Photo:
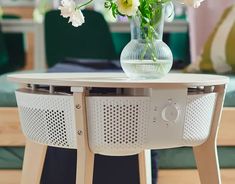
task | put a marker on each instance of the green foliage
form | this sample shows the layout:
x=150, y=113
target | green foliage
x=150, y=13
x=110, y=5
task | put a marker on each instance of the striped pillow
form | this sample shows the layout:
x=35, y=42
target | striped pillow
x=219, y=51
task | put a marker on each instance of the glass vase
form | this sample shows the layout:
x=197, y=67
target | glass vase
x=146, y=56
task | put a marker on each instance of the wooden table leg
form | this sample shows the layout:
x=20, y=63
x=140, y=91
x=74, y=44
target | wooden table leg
x=206, y=154
x=207, y=163
x=34, y=157
x=85, y=158
x=145, y=170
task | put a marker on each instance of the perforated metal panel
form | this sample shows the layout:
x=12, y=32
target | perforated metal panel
x=199, y=113
x=117, y=125
x=48, y=119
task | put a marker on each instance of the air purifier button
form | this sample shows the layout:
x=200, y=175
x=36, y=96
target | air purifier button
x=170, y=113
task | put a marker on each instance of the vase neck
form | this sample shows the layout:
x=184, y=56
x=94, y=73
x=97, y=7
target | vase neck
x=141, y=33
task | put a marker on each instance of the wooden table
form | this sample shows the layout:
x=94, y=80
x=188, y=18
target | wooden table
x=80, y=84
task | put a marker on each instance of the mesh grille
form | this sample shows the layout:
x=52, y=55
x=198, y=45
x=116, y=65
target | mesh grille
x=117, y=125
x=199, y=113
x=48, y=119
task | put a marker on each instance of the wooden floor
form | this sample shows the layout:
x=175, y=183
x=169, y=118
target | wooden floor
x=10, y=176
x=165, y=176
x=191, y=176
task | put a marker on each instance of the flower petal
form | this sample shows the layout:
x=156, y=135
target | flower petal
x=77, y=18
x=67, y=8
x=128, y=7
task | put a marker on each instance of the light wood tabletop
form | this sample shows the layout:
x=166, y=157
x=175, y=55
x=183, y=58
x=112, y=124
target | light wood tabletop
x=117, y=80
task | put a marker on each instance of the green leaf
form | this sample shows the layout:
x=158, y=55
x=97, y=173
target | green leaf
x=157, y=15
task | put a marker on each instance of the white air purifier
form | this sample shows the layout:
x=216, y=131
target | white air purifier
x=120, y=124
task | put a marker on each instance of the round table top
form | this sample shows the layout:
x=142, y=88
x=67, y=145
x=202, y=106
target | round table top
x=120, y=80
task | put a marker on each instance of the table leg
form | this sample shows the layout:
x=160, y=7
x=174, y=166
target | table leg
x=207, y=163
x=39, y=47
x=145, y=171
x=206, y=154
x=85, y=158
x=34, y=158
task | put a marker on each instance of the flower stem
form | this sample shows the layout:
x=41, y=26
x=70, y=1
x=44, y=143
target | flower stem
x=85, y=4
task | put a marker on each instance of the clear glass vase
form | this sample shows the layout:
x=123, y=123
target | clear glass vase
x=146, y=55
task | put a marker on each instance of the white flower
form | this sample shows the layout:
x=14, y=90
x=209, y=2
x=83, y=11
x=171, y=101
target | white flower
x=77, y=18
x=128, y=7
x=197, y=3
x=67, y=8
x=194, y=3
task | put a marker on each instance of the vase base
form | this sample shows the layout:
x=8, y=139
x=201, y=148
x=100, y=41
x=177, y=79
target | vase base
x=139, y=77
x=146, y=69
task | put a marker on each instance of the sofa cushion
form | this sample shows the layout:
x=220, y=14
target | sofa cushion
x=7, y=92
x=11, y=157
x=230, y=93
x=7, y=89
x=183, y=158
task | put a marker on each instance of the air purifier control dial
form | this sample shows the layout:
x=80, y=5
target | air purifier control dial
x=170, y=113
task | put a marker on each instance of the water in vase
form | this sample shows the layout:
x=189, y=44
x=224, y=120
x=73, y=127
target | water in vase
x=143, y=69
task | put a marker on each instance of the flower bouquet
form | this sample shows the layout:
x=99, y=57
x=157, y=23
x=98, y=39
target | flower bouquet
x=146, y=55
x=118, y=7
